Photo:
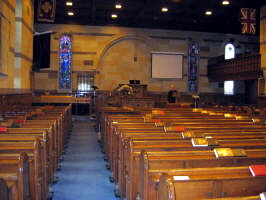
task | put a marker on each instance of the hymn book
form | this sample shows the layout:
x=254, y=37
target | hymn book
x=181, y=178
x=204, y=142
x=228, y=152
x=174, y=129
x=148, y=118
x=258, y=170
x=159, y=124
x=189, y=135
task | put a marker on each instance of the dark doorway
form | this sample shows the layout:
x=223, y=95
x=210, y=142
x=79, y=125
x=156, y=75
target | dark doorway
x=251, y=91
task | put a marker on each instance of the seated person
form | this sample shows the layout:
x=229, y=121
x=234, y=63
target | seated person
x=172, y=95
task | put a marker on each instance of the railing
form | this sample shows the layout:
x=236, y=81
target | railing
x=243, y=67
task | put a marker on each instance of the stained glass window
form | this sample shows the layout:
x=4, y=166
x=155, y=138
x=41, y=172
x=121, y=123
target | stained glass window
x=193, y=67
x=65, y=63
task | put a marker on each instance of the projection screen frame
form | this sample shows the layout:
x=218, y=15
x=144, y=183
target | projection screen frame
x=170, y=78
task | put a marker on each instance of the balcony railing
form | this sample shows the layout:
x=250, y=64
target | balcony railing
x=243, y=67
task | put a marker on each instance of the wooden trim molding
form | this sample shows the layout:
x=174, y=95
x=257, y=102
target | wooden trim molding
x=3, y=75
x=20, y=19
x=167, y=37
x=263, y=43
x=249, y=43
x=9, y=5
x=93, y=34
x=263, y=17
x=3, y=16
x=213, y=40
x=78, y=52
x=22, y=56
x=204, y=57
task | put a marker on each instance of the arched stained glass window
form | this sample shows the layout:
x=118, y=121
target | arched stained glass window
x=65, y=62
x=229, y=51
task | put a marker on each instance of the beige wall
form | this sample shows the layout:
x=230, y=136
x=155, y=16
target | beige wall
x=263, y=39
x=113, y=49
x=7, y=43
x=16, y=43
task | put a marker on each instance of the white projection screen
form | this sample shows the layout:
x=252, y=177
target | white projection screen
x=166, y=65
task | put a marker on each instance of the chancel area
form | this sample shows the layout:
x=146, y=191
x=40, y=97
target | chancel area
x=132, y=100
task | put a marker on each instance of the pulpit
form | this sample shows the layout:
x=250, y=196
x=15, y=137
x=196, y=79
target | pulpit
x=138, y=90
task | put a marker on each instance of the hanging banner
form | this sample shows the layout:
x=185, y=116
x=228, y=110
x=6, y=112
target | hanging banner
x=248, y=20
x=193, y=67
x=46, y=10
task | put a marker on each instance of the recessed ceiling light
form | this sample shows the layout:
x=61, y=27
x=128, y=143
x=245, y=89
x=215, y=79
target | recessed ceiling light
x=164, y=9
x=70, y=13
x=69, y=3
x=114, y=16
x=208, y=12
x=225, y=2
x=118, y=6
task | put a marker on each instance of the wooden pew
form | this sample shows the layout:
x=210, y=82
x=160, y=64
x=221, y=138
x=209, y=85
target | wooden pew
x=45, y=162
x=37, y=170
x=150, y=161
x=3, y=190
x=207, y=182
x=113, y=138
x=237, y=198
x=133, y=127
x=131, y=154
x=15, y=172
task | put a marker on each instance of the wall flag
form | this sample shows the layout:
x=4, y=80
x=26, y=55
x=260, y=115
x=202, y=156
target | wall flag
x=248, y=20
x=46, y=10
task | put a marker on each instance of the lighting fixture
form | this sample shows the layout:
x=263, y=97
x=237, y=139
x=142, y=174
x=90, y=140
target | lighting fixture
x=70, y=13
x=69, y=3
x=225, y=2
x=114, y=16
x=208, y=12
x=164, y=9
x=118, y=6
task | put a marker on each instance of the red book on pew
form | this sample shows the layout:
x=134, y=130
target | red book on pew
x=258, y=170
x=20, y=121
x=174, y=129
x=3, y=129
x=157, y=120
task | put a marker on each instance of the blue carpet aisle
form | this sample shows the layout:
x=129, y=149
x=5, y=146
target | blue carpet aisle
x=84, y=175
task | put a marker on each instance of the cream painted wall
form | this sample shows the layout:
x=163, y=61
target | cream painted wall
x=7, y=40
x=113, y=49
x=16, y=43
x=263, y=39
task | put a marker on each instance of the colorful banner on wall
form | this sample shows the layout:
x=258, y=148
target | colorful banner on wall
x=248, y=20
x=193, y=67
x=46, y=10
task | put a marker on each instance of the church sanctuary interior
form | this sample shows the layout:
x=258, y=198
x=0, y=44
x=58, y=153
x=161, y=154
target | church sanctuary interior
x=132, y=100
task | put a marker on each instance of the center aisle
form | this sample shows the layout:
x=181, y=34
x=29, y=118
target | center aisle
x=83, y=175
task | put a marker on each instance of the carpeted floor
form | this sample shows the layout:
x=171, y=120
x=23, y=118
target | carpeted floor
x=83, y=175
